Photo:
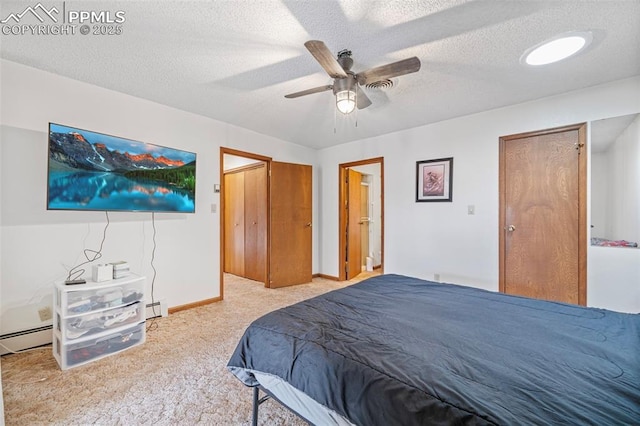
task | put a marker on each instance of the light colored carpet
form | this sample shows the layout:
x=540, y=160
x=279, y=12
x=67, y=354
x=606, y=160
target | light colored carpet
x=178, y=377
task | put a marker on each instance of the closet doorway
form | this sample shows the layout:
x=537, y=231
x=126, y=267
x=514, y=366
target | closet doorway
x=244, y=215
x=265, y=219
x=361, y=219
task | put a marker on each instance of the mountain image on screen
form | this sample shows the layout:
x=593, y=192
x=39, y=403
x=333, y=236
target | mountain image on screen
x=93, y=171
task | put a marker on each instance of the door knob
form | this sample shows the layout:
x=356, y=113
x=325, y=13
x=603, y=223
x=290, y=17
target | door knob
x=309, y=225
x=511, y=228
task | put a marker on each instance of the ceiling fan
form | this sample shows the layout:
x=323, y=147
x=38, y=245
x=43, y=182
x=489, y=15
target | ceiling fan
x=345, y=82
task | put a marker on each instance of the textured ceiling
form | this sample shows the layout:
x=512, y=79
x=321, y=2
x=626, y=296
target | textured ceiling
x=235, y=60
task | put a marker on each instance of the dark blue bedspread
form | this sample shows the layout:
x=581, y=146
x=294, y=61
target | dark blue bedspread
x=395, y=350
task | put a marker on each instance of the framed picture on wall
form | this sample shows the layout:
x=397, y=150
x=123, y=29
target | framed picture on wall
x=434, y=180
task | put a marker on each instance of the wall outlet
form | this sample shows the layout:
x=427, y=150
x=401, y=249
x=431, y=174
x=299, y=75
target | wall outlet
x=45, y=313
x=436, y=277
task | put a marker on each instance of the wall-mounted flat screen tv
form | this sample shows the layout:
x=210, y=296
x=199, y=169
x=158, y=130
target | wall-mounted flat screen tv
x=94, y=171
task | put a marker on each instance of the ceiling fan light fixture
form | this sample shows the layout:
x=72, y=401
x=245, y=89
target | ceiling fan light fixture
x=345, y=82
x=557, y=48
x=346, y=101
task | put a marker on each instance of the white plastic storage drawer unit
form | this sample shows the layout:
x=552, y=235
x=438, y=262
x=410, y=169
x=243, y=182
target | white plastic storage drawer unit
x=94, y=320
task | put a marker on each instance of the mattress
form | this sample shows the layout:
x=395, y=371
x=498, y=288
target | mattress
x=397, y=350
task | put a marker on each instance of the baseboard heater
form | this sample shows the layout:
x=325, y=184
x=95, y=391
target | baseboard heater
x=25, y=339
x=40, y=336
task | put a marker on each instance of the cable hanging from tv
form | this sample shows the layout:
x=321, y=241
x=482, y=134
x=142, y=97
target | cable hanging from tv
x=73, y=277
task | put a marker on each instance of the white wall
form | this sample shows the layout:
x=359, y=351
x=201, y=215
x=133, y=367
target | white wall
x=38, y=246
x=231, y=162
x=616, y=270
x=624, y=184
x=615, y=202
x=600, y=194
x=422, y=239
x=614, y=278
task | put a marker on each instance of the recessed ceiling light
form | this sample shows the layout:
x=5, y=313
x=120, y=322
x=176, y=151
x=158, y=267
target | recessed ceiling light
x=557, y=49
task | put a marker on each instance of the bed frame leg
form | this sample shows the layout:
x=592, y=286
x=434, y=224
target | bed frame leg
x=256, y=402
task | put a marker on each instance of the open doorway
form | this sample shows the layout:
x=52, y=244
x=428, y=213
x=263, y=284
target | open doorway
x=244, y=219
x=361, y=200
x=265, y=220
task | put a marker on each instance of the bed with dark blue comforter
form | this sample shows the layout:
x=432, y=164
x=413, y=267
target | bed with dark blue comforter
x=395, y=350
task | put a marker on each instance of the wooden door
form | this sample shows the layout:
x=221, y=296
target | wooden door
x=543, y=214
x=234, y=223
x=343, y=219
x=354, y=237
x=255, y=223
x=290, y=239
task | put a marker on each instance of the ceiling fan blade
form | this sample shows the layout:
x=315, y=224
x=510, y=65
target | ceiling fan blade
x=394, y=69
x=362, y=99
x=324, y=56
x=309, y=91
